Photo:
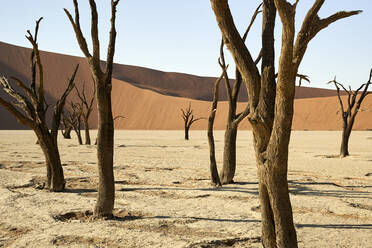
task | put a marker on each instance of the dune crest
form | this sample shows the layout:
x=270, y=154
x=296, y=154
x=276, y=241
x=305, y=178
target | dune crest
x=151, y=99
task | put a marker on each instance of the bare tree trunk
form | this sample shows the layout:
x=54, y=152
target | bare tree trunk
x=344, y=150
x=87, y=134
x=186, y=133
x=212, y=151
x=67, y=132
x=55, y=178
x=105, y=152
x=212, y=154
x=86, y=109
x=78, y=134
x=229, y=154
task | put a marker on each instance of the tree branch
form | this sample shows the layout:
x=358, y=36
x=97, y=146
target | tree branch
x=112, y=41
x=36, y=57
x=19, y=116
x=238, y=49
x=76, y=26
x=27, y=90
x=255, y=14
x=312, y=25
x=94, y=30
x=21, y=102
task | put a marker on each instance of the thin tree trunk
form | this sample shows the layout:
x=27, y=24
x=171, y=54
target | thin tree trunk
x=212, y=151
x=78, y=134
x=346, y=131
x=87, y=134
x=229, y=154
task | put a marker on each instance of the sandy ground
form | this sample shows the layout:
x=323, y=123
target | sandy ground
x=164, y=197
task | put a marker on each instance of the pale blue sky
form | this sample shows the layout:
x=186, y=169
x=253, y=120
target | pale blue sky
x=182, y=35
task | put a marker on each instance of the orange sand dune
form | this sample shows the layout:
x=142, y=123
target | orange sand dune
x=147, y=98
x=145, y=109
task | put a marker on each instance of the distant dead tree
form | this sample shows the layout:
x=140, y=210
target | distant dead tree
x=66, y=127
x=349, y=113
x=73, y=119
x=271, y=101
x=103, y=84
x=87, y=109
x=30, y=110
x=188, y=118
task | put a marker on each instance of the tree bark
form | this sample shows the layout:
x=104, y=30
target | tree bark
x=229, y=154
x=78, y=134
x=87, y=134
x=212, y=151
x=55, y=179
x=186, y=133
x=344, y=150
x=67, y=132
x=105, y=151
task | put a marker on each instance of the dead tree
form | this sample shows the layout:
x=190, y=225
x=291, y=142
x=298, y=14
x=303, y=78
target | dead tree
x=348, y=114
x=73, y=119
x=66, y=128
x=212, y=151
x=271, y=103
x=29, y=107
x=233, y=118
x=87, y=109
x=188, y=118
x=103, y=84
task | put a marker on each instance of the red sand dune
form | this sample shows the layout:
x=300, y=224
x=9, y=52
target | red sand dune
x=151, y=99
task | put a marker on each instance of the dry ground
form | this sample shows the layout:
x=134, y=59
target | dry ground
x=164, y=197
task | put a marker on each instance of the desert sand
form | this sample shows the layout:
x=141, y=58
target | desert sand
x=164, y=197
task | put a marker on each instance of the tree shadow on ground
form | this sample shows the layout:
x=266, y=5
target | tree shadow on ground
x=252, y=191
x=205, y=219
x=303, y=188
x=336, y=226
x=79, y=191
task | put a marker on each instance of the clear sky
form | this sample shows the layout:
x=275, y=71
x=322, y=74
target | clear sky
x=182, y=35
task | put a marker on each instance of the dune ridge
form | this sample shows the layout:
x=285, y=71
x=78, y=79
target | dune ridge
x=151, y=99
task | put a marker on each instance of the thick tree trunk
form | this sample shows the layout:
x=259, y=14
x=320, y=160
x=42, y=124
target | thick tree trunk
x=105, y=153
x=229, y=154
x=275, y=184
x=87, y=134
x=55, y=178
